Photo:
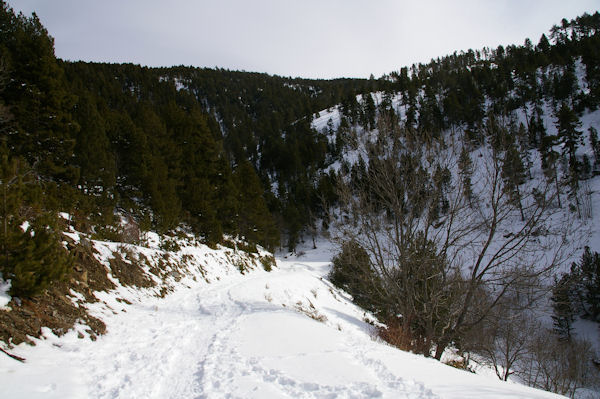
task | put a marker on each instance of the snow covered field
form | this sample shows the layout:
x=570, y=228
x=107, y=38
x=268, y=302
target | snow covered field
x=283, y=334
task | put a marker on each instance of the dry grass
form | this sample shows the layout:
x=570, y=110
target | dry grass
x=400, y=336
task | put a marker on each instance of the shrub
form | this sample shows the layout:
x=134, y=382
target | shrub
x=559, y=366
x=353, y=272
x=268, y=262
x=169, y=245
x=402, y=337
x=36, y=258
x=462, y=364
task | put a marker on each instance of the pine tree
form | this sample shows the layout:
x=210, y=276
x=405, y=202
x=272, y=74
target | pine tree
x=465, y=170
x=513, y=174
x=92, y=150
x=544, y=44
x=567, y=124
x=565, y=84
x=563, y=308
x=595, y=145
x=549, y=160
x=537, y=130
x=589, y=269
x=293, y=222
x=254, y=221
x=582, y=286
x=568, y=134
x=523, y=148
x=37, y=96
x=409, y=99
x=440, y=179
x=431, y=119
x=586, y=167
x=368, y=111
x=38, y=258
x=30, y=242
x=353, y=272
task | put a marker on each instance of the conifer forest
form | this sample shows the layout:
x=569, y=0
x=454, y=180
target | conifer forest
x=459, y=192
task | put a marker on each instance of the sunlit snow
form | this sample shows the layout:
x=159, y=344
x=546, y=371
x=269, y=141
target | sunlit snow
x=282, y=334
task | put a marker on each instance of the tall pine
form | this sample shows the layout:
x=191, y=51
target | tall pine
x=254, y=220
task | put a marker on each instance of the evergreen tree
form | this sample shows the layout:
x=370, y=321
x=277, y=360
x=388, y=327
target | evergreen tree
x=430, y=119
x=589, y=271
x=368, y=112
x=441, y=179
x=30, y=242
x=549, y=159
x=564, y=311
x=409, y=99
x=465, y=171
x=352, y=271
x=254, y=221
x=38, y=258
x=94, y=155
x=537, y=130
x=37, y=96
x=568, y=134
x=513, y=174
x=567, y=124
x=293, y=222
x=565, y=84
x=207, y=191
x=578, y=292
x=595, y=145
x=586, y=167
x=544, y=44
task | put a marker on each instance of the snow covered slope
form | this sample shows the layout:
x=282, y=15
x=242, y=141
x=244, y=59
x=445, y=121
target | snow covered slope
x=282, y=334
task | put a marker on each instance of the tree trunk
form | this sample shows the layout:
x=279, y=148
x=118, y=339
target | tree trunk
x=520, y=204
x=441, y=347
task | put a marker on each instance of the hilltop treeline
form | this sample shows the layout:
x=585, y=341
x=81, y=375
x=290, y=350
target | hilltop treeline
x=222, y=151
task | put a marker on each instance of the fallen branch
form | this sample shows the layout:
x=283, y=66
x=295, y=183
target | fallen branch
x=20, y=359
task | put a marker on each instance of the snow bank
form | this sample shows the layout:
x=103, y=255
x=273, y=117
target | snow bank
x=282, y=334
x=4, y=296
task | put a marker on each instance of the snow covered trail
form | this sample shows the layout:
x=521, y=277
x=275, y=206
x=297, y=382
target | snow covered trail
x=283, y=334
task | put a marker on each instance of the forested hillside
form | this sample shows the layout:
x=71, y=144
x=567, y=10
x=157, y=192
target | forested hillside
x=237, y=153
x=200, y=133
x=168, y=146
x=465, y=193
x=460, y=190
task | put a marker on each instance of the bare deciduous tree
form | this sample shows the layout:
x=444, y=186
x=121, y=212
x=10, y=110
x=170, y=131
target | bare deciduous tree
x=503, y=339
x=435, y=250
x=559, y=366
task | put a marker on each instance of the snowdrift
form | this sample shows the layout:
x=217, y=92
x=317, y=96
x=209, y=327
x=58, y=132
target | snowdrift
x=229, y=328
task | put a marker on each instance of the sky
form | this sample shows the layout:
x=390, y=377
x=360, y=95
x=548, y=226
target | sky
x=298, y=38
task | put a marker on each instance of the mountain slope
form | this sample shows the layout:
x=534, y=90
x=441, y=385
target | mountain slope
x=283, y=334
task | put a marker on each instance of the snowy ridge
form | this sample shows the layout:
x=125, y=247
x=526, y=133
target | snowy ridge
x=580, y=230
x=287, y=333
x=328, y=121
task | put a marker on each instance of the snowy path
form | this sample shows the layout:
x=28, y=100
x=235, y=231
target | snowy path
x=244, y=336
